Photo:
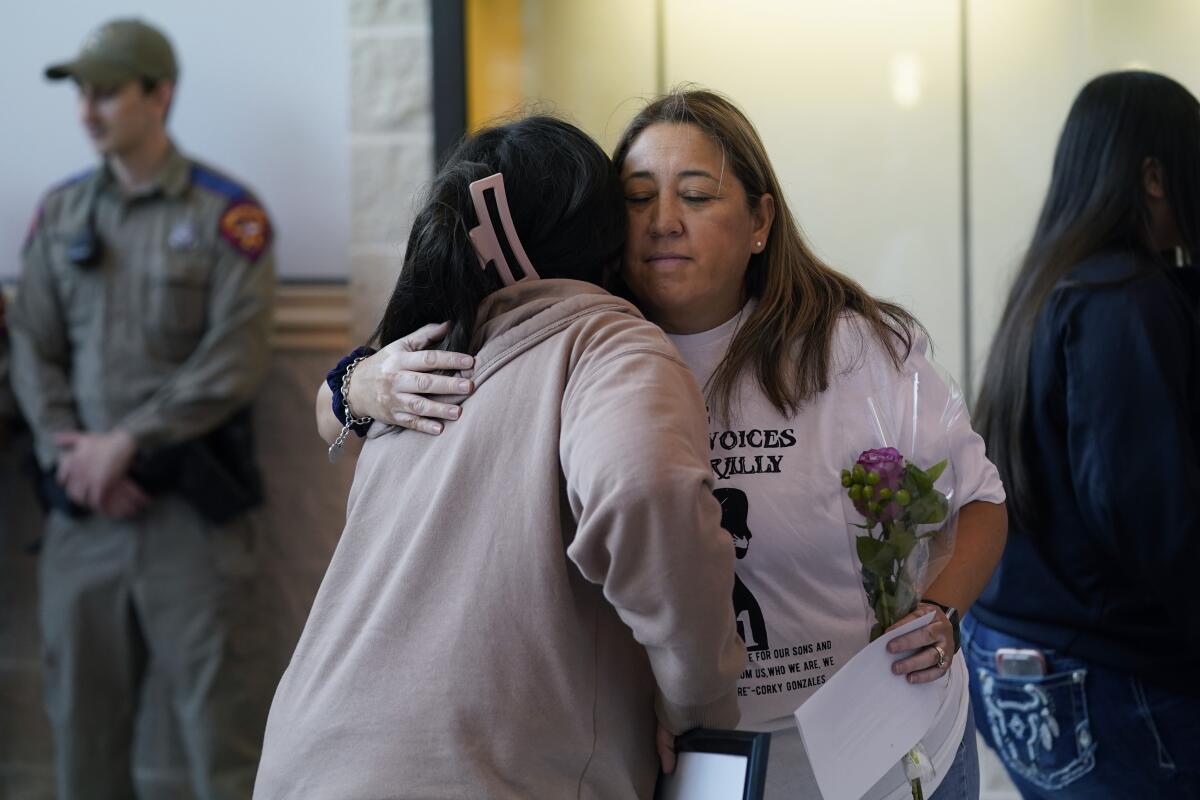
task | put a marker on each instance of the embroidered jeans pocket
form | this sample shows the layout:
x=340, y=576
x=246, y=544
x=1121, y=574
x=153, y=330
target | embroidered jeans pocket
x=1040, y=725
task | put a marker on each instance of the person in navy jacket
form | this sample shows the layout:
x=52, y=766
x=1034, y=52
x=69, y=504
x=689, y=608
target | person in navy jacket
x=1089, y=409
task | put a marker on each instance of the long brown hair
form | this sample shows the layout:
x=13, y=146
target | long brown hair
x=788, y=338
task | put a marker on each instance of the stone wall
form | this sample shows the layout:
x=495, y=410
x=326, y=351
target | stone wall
x=391, y=142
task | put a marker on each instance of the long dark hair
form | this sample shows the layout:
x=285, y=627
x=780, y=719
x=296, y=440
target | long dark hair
x=1096, y=203
x=566, y=205
x=800, y=298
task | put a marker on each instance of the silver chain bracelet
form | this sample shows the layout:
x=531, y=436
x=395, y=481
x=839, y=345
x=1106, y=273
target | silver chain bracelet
x=335, y=449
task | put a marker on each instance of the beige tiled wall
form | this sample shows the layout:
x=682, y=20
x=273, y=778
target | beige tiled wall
x=391, y=143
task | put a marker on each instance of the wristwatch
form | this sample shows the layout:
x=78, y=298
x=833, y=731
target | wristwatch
x=951, y=614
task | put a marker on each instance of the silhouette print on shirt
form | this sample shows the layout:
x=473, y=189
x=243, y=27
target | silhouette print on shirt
x=735, y=509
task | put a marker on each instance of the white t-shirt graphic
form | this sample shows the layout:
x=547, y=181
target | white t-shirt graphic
x=799, y=600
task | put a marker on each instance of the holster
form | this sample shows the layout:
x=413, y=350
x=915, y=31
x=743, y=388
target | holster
x=216, y=473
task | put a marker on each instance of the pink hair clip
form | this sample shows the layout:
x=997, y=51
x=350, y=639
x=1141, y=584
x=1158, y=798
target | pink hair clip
x=491, y=207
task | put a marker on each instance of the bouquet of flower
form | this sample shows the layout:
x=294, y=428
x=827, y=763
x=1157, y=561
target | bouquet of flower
x=900, y=500
x=908, y=523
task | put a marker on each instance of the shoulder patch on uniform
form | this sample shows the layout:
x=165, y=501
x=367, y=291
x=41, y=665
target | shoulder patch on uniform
x=245, y=226
x=214, y=181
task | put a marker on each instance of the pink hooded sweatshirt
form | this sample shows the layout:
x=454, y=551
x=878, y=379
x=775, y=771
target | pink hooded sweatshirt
x=514, y=602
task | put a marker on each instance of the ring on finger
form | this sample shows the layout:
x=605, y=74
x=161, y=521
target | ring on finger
x=941, y=654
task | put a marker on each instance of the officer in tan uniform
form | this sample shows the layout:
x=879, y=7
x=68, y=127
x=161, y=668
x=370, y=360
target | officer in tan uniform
x=139, y=334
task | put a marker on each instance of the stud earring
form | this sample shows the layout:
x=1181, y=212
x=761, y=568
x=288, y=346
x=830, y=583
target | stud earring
x=758, y=244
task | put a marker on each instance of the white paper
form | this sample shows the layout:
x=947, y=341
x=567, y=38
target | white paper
x=865, y=718
x=706, y=776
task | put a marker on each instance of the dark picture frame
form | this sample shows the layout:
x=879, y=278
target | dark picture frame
x=448, y=21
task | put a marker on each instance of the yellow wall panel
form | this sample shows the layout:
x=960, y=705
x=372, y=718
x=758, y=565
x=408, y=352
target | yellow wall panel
x=494, y=53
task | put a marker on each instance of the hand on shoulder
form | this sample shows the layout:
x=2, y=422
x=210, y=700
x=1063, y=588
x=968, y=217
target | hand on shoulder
x=396, y=385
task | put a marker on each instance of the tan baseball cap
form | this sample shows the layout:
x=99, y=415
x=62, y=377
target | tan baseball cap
x=117, y=52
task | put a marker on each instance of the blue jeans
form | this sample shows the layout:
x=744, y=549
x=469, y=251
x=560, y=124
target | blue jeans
x=962, y=778
x=1082, y=730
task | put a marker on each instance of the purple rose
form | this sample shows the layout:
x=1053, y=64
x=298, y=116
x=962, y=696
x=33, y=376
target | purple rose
x=886, y=461
x=888, y=465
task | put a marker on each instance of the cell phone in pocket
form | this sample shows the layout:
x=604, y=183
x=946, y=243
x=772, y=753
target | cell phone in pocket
x=1018, y=662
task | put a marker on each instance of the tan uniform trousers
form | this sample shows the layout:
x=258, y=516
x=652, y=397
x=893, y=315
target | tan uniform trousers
x=164, y=591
